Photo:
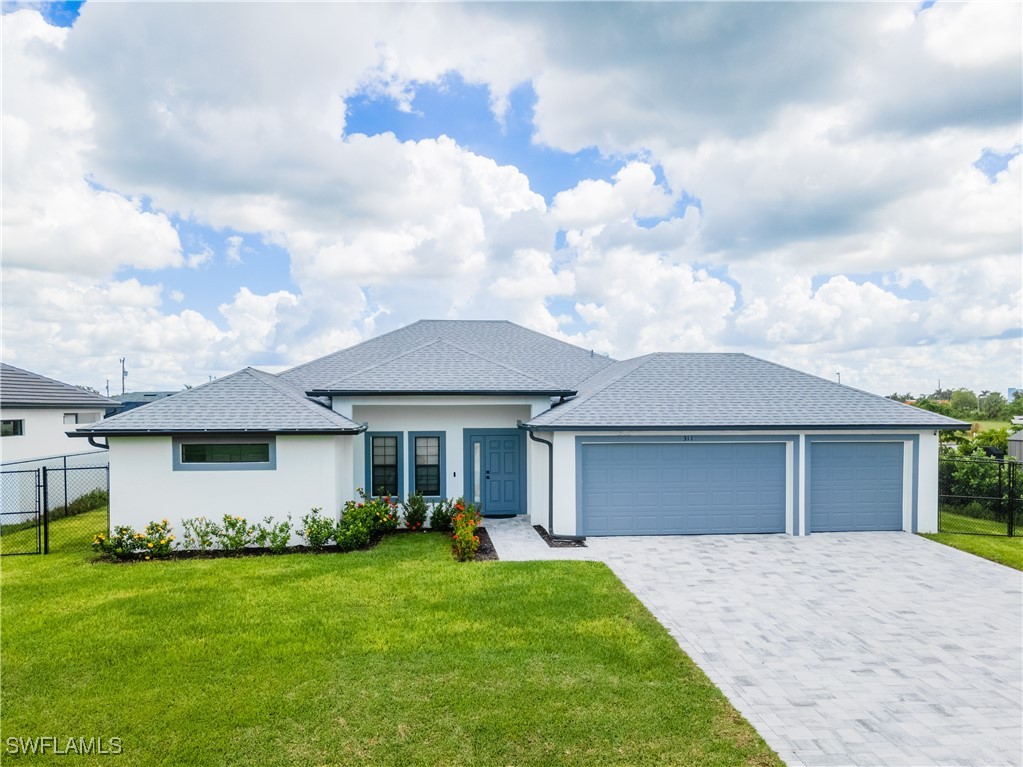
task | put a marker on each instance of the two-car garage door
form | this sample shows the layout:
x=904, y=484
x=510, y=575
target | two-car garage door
x=678, y=488
x=687, y=488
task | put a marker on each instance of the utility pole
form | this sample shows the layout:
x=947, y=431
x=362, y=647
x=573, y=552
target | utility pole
x=124, y=374
x=108, y=387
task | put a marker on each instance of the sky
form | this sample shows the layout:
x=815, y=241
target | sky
x=198, y=187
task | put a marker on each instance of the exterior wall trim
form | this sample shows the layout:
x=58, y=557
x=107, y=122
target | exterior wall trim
x=223, y=439
x=443, y=462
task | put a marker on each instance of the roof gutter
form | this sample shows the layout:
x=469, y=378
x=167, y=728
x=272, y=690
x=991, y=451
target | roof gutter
x=550, y=485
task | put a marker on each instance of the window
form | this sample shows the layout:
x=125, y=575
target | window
x=88, y=417
x=225, y=453
x=258, y=452
x=12, y=428
x=426, y=456
x=70, y=418
x=384, y=469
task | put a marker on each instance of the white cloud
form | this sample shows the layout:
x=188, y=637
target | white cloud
x=233, y=249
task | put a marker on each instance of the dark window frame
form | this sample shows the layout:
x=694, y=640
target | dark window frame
x=17, y=427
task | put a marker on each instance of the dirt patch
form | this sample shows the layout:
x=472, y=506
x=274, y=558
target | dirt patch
x=486, y=551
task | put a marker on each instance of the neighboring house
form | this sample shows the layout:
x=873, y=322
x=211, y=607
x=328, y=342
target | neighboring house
x=38, y=411
x=526, y=424
x=1016, y=445
x=134, y=399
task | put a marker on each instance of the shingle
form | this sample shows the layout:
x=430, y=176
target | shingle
x=725, y=391
x=249, y=400
x=440, y=366
x=22, y=388
x=533, y=354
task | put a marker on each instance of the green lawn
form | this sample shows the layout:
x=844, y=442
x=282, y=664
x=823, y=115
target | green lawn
x=67, y=535
x=956, y=523
x=997, y=548
x=397, y=655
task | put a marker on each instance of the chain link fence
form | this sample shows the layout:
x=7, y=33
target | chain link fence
x=54, y=504
x=979, y=496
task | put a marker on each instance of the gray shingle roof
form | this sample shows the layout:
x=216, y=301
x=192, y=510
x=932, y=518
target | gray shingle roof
x=440, y=367
x=247, y=401
x=526, y=352
x=704, y=391
x=22, y=388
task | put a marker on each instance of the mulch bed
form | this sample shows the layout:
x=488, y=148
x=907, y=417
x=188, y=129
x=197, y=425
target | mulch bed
x=559, y=543
x=486, y=551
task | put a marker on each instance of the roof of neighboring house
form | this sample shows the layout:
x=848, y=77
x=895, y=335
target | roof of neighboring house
x=22, y=388
x=725, y=391
x=247, y=401
x=532, y=361
x=1017, y=437
x=440, y=367
x=141, y=396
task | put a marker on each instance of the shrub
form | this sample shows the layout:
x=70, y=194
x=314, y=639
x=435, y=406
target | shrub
x=236, y=533
x=122, y=543
x=274, y=537
x=200, y=533
x=317, y=530
x=440, y=515
x=380, y=514
x=353, y=533
x=157, y=541
x=415, y=511
x=466, y=520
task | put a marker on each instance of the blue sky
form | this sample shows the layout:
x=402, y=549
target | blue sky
x=630, y=178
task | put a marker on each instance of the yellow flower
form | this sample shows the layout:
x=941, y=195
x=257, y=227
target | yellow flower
x=148, y=557
x=163, y=541
x=149, y=545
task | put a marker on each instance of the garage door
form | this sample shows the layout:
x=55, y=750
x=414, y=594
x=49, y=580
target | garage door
x=855, y=486
x=679, y=489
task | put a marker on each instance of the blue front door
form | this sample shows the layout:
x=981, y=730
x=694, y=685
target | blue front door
x=496, y=470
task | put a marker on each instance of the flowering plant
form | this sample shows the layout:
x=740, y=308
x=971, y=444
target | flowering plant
x=465, y=541
x=317, y=530
x=273, y=536
x=415, y=511
x=200, y=533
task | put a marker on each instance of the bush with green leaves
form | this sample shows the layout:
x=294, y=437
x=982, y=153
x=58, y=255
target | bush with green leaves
x=353, y=532
x=440, y=515
x=317, y=530
x=236, y=533
x=415, y=511
x=155, y=542
x=201, y=534
x=274, y=536
x=465, y=541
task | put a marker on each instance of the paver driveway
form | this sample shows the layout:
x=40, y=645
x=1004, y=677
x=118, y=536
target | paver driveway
x=841, y=648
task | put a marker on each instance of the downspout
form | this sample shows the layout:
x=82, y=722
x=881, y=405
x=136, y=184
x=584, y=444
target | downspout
x=550, y=489
x=94, y=443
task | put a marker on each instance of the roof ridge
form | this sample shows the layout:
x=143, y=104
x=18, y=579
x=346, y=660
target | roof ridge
x=497, y=362
x=572, y=404
x=295, y=393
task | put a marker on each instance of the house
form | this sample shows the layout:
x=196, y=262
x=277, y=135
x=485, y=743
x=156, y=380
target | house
x=525, y=424
x=133, y=399
x=37, y=412
x=1016, y=446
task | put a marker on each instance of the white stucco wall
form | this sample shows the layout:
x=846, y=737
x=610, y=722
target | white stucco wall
x=927, y=482
x=451, y=415
x=144, y=486
x=44, y=433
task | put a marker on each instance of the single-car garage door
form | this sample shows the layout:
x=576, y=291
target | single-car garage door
x=855, y=486
x=676, y=488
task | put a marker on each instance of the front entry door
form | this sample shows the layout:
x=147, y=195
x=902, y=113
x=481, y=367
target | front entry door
x=496, y=470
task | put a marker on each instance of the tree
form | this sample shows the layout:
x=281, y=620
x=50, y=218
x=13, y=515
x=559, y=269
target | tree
x=991, y=404
x=964, y=401
x=86, y=388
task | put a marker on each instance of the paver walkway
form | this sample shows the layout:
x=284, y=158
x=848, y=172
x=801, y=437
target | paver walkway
x=840, y=648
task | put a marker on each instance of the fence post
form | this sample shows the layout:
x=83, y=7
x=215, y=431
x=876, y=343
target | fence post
x=46, y=512
x=1013, y=489
x=39, y=516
